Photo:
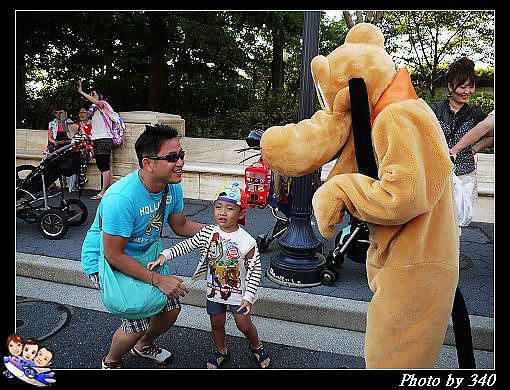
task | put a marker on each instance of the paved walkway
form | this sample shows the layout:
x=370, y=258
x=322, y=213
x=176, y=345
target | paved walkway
x=476, y=262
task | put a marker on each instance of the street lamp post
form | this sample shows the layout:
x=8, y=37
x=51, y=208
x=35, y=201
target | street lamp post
x=298, y=264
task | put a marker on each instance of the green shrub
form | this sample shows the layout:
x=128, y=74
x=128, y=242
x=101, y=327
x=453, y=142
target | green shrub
x=482, y=100
x=485, y=77
x=236, y=123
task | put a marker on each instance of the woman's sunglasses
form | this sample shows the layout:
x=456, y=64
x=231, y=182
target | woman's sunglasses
x=171, y=157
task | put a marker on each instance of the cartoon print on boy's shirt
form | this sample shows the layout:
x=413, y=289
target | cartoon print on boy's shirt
x=214, y=256
x=223, y=263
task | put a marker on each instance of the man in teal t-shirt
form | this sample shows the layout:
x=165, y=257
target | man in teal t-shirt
x=128, y=218
x=131, y=213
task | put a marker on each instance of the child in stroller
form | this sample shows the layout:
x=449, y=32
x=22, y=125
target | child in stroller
x=279, y=201
x=264, y=189
x=33, y=193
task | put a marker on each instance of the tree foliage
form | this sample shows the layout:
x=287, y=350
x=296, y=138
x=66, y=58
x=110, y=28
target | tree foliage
x=225, y=73
x=423, y=40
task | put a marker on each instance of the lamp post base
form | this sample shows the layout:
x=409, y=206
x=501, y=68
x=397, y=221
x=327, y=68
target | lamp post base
x=288, y=272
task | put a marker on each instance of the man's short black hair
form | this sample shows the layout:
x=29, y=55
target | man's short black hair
x=149, y=142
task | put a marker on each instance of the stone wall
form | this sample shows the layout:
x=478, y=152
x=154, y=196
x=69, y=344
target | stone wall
x=30, y=144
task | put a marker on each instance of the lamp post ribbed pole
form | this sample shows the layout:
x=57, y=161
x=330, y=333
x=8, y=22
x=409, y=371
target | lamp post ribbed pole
x=298, y=263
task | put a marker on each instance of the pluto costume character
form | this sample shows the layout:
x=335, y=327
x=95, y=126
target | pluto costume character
x=412, y=262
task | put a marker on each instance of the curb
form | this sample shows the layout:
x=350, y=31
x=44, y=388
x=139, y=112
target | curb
x=293, y=306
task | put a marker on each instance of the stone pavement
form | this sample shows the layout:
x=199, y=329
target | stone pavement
x=476, y=261
x=476, y=267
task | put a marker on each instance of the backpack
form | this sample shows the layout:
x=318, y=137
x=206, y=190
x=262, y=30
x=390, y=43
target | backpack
x=117, y=127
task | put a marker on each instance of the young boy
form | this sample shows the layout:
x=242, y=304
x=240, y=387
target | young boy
x=231, y=263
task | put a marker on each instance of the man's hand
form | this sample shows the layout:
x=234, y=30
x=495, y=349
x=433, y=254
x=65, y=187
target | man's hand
x=171, y=286
x=80, y=89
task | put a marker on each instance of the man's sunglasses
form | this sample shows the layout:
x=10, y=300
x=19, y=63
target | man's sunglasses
x=171, y=158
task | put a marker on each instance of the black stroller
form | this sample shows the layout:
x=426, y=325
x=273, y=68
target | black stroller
x=33, y=193
x=276, y=192
x=279, y=201
x=352, y=242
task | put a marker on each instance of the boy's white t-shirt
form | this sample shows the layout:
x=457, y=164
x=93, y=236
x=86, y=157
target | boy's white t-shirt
x=226, y=269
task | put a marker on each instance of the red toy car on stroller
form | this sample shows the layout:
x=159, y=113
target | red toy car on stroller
x=264, y=189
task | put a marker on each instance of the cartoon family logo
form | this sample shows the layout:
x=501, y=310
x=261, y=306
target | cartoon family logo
x=28, y=361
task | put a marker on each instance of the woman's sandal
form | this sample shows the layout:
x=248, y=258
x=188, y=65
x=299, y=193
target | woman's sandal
x=260, y=355
x=219, y=359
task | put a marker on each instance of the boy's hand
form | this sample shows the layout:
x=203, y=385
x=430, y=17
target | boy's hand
x=156, y=263
x=245, y=304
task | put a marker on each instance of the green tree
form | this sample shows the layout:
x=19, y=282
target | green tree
x=76, y=45
x=224, y=72
x=425, y=40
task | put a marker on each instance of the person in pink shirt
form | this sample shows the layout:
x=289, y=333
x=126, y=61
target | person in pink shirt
x=101, y=137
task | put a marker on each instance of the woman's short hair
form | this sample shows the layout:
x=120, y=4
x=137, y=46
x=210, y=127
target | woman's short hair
x=461, y=71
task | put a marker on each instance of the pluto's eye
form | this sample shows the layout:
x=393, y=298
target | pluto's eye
x=322, y=99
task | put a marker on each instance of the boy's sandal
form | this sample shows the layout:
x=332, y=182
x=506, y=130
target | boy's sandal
x=260, y=355
x=219, y=359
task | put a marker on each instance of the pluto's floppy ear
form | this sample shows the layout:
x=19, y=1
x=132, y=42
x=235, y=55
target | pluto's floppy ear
x=361, y=128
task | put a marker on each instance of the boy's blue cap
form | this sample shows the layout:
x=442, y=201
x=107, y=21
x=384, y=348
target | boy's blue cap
x=233, y=194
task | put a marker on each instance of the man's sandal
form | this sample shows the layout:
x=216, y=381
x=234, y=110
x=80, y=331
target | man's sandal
x=219, y=359
x=260, y=355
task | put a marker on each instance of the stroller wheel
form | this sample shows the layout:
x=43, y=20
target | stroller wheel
x=262, y=243
x=53, y=224
x=337, y=260
x=76, y=212
x=329, y=276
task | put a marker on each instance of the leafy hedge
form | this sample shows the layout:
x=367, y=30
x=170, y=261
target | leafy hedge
x=482, y=100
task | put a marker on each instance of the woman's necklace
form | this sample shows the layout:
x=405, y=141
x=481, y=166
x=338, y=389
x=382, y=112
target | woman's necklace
x=145, y=186
x=454, y=106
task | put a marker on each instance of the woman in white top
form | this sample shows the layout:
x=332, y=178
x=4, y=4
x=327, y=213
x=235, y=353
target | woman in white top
x=101, y=136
